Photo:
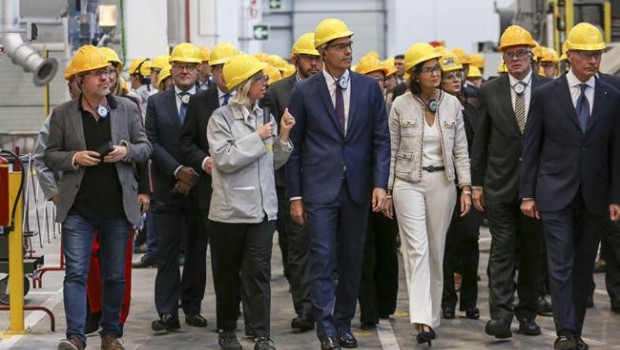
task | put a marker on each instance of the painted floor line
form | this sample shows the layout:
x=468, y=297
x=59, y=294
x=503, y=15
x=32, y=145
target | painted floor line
x=32, y=319
x=387, y=336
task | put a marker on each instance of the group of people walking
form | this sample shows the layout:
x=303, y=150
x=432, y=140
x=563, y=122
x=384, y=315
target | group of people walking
x=341, y=161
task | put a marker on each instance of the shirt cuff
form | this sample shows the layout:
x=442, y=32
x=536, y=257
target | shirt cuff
x=75, y=166
x=177, y=170
x=476, y=187
x=126, y=144
x=287, y=146
x=295, y=198
x=527, y=199
x=204, y=161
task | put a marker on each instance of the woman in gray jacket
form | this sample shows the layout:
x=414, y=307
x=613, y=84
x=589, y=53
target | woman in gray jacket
x=428, y=147
x=244, y=205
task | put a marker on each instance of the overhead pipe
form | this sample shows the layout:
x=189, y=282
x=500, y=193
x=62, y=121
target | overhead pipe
x=20, y=53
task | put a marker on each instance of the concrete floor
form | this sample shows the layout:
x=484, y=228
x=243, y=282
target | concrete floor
x=602, y=330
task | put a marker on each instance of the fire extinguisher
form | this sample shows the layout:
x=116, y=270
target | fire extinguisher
x=4, y=192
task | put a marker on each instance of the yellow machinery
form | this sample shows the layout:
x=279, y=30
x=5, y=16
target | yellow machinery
x=567, y=13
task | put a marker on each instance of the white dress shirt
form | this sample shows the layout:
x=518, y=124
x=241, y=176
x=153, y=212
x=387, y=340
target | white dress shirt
x=346, y=94
x=527, y=93
x=575, y=89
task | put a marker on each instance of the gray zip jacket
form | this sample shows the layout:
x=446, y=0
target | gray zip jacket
x=407, y=134
x=244, y=189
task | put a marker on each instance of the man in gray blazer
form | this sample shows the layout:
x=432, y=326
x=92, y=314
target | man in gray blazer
x=292, y=237
x=94, y=142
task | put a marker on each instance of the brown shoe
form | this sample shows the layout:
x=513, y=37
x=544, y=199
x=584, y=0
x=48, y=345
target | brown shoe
x=109, y=342
x=72, y=343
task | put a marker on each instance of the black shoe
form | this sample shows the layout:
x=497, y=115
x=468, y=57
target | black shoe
x=303, y=323
x=448, y=313
x=615, y=307
x=346, y=338
x=590, y=303
x=92, y=322
x=368, y=325
x=472, y=313
x=581, y=345
x=166, y=322
x=528, y=327
x=425, y=336
x=498, y=328
x=195, y=320
x=330, y=343
x=544, y=307
x=264, y=343
x=228, y=341
x=145, y=261
x=599, y=266
x=565, y=341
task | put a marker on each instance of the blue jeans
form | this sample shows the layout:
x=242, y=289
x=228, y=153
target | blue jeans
x=77, y=239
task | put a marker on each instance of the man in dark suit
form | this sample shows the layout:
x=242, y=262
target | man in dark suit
x=571, y=175
x=173, y=214
x=496, y=162
x=340, y=164
x=292, y=237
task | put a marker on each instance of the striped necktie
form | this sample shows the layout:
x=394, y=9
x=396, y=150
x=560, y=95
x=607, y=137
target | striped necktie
x=520, y=111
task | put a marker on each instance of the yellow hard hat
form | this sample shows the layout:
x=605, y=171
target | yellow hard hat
x=263, y=57
x=290, y=70
x=88, y=58
x=330, y=29
x=304, y=46
x=110, y=55
x=474, y=72
x=502, y=67
x=165, y=73
x=273, y=73
x=515, y=36
x=585, y=37
x=448, y=61
x=476, y=60
x=418, y=53
x=369, y=64
x=550, y=55
x=69, y=71
x=204, y=53
x=185, y=52
x=141, y=66
x=538, y=50
x=389, y=65
x=160, y=62
x=240, y=68
x=124, y=86
x=221, y=53
x=278, y=62
x=563, y=56
x=463, y=56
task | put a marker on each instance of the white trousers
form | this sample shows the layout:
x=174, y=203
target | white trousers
x=424, y=210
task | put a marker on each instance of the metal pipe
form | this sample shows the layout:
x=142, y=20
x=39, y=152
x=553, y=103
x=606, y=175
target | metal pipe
x=21, y=54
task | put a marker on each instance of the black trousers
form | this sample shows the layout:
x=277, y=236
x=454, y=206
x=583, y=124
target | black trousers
x=293, y=240
x=515, y=243
x=462, y=255
x=379, y=283
x=174, y=219
x=610, y=252
x=572, y=236
x=241, y=261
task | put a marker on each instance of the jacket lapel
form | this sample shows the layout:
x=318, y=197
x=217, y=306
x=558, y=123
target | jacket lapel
x=78, y=127
x=353, y=97
x=171, y=104
x=505, y=100
x=600, y=92
x=563, y=94
x=327, y=100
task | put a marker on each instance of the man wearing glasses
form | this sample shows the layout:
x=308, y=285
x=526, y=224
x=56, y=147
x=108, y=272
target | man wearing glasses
x=571, y=175
x=338, y=168
x=94, y=143
x=172, y=213
x=496, y=163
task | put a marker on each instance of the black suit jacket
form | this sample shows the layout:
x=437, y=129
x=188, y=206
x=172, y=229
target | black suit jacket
x=559, y=160
x=496, y=154
x=193, y=141
x=163, y=127
x=279, y=95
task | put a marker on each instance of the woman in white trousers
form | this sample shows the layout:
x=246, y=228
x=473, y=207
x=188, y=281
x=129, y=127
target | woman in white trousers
x=429, y=151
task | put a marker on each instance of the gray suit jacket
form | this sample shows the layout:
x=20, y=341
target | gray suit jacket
x=66, y=138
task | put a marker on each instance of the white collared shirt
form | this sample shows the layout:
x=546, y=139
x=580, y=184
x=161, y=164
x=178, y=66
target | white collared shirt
x=575, y=89
x=178, y=92
x=528, y=90
x=221, y=94
x=346, y=94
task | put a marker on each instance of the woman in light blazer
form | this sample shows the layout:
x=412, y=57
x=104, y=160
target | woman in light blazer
x=429, y=150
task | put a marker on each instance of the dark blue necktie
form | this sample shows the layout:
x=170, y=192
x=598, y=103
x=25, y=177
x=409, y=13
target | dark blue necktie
x=340, y=107
x=226, y=98
x=583, y=108
x=183, y=109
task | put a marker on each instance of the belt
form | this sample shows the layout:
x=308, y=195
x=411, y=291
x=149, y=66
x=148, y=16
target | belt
x=433, y=168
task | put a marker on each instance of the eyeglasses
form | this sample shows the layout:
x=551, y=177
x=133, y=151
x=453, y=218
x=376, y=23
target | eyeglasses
x=309, y=57
x=100, y=73
x=436, y=68
x=381, y=79
x=588, y=54
x=516, y=54
x=262, y=78
x=452, y=75
x=182, y=67
x=341, y=46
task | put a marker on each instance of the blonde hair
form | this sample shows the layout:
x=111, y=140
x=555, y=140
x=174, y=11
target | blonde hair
x=241, y=97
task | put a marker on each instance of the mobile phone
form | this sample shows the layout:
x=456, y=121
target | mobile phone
x=104, y=149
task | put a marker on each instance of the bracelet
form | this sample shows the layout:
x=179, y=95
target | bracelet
x=466, y=192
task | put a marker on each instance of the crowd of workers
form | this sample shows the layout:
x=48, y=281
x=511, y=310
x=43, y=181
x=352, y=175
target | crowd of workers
x=347, y=163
